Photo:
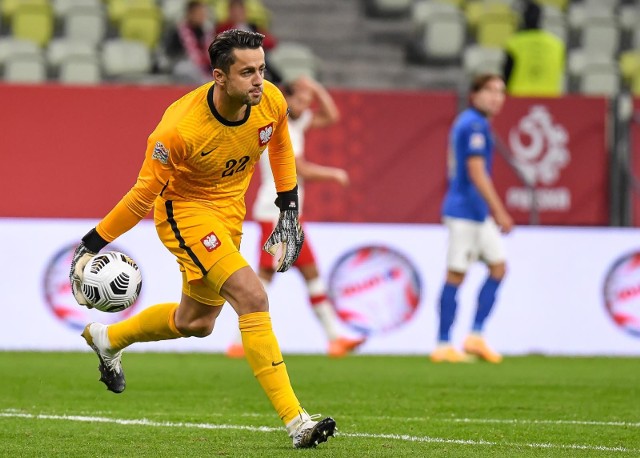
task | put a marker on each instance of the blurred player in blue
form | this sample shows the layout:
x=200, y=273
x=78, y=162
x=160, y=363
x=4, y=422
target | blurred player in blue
x=474, y=215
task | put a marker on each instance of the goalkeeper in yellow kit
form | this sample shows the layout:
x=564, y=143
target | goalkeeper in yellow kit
x=198, y=164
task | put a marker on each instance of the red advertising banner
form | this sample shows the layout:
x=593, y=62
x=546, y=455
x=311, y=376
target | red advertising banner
x=74, y=152
x=393, y=144
x=559, y=146
x=635, y=163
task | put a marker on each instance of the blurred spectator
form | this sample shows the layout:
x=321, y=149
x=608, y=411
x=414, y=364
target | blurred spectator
x=237, y=19
x=300, y=96
x=535, y=59
x=187, y=45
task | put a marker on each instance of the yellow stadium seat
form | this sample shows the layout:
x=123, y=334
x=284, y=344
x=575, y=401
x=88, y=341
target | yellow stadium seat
x=8, y=7
x=494, y=29
x=475, y=11
x=33, y=22
x=635, y=84
x=457, y=3
x=143, y=25
x=560, y=4
x=257, y=13
x=629, y=64
x=117, y=9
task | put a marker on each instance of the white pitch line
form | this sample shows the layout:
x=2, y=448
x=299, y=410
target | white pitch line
x=438, y=440
x=267, y=429
x=138, y=422
x=506, y=421
x=542, y=422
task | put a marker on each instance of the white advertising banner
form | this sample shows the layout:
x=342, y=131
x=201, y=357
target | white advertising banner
x=568, y=291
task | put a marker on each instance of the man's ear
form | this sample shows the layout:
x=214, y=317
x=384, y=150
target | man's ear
x=219, y=76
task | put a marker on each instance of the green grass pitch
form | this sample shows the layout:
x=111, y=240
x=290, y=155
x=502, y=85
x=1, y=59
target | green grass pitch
x=197, y=405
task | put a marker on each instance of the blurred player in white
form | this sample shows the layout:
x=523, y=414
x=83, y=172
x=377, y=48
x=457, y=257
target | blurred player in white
x=300, y=95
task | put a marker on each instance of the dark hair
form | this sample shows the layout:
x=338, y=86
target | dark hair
x=287, y=89
x=222, y=46
x=193, y=4
x=531, y=16
x=480, y=81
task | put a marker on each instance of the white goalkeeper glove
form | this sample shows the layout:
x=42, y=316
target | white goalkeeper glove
x=89, y=246
x=287, y=237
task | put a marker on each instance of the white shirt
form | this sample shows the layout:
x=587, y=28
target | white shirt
x=264, y=208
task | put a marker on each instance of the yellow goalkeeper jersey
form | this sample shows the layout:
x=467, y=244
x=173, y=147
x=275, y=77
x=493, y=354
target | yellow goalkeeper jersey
x=196, y=155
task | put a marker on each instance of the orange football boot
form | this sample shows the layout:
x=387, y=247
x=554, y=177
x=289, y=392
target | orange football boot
x=448, y=354
x=235, y=350
x=343, y=345
x=476, y=345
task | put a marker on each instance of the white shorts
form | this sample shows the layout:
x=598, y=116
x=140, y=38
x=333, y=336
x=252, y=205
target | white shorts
x=470, y=241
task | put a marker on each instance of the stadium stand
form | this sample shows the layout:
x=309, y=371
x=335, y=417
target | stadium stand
x=481, y=59
x=172, y=10
x=434, y=44
x=125, y=60
x=439, y=33
x=62, y=7
x=25, y=68
x=84, y=25
x=143, y=24
x=80, y=70
x=294, y=60
x=387, y=8
x=34, y=22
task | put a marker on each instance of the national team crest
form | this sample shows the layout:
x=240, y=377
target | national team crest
x=210, y=241
x=264, y=134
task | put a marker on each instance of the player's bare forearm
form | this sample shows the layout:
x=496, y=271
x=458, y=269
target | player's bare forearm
x=484, y=184
x=310, y=171
x=327, y=112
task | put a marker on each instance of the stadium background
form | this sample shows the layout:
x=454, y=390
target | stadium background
x=70, y=151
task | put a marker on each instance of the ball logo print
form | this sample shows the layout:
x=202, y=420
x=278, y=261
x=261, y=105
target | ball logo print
x=111, y=282
x=374, y=289
x=59, y=298
x=622, y=293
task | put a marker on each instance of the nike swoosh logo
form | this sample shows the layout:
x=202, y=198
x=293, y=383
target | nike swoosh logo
x=276, y=364
x=203, y=153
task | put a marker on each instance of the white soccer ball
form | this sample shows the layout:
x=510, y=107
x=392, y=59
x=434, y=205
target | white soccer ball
x=111, y=282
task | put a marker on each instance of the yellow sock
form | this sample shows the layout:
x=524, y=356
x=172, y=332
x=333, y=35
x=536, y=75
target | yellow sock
x=264, y=356
x=152, y=324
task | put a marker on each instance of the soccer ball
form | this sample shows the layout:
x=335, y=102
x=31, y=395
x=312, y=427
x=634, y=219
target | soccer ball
x=112, y=281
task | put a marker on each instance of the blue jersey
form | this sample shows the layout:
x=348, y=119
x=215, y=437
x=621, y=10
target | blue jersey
x=470, y=136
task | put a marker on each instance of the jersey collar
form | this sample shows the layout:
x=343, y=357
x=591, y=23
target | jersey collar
x=219, y=117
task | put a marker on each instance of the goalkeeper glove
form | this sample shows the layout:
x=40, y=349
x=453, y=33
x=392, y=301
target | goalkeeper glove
x=89, y=246
x=287, y=236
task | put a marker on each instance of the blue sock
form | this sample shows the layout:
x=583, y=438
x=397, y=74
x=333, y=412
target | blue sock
x=486, y=299
x=448, y=307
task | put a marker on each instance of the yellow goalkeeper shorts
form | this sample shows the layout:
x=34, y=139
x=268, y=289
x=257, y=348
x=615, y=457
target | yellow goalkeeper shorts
x=205, y=244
